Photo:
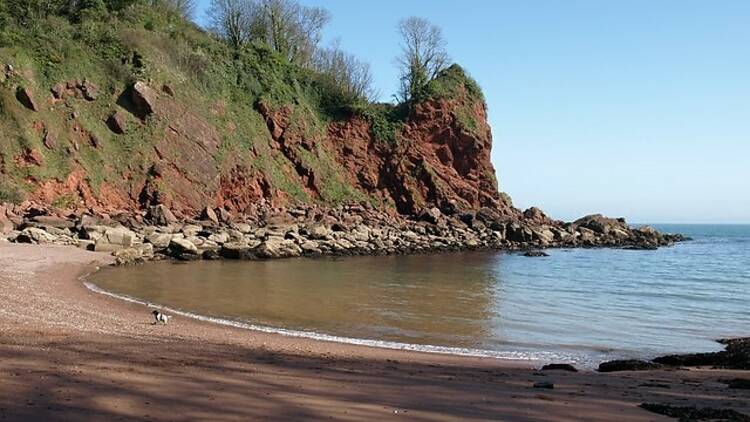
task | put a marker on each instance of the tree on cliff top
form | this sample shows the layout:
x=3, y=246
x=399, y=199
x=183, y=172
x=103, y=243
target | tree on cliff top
x=423, y=56
x=232, y=20
x=290, y=29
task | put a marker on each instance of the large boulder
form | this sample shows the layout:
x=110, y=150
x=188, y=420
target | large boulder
x=53, y=221
x=89, y=90
x=179, y=246
x=159, y=240
x=236, y=250
x=118, y=122
x=144, y=98
x=274, y=248
x=161, y=215
x=601, y=224
x=26, y=97
x=35, y=235
x=209, y=214
x=536, y=215
x=114, y=239
x=50, y=140
x=430, y=215
x=128, y=256
x=318, y=232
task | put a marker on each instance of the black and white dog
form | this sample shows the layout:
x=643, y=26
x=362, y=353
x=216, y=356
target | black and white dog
x=160, y=317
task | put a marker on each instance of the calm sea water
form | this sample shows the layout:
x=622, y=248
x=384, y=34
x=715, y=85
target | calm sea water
x=577, y=305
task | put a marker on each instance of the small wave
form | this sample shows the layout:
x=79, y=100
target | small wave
x=535, y=356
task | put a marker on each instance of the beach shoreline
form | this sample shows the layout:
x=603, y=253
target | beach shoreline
x=68, y=352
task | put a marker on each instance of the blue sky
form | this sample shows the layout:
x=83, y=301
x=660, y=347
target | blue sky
x=635, y=108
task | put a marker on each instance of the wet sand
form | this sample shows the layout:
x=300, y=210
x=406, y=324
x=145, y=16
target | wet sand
x=67, y=353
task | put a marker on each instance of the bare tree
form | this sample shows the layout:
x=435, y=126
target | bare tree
x=233, y=20
x=348, y=72
x=291, y=29
x=186, y=8
x=423, y=55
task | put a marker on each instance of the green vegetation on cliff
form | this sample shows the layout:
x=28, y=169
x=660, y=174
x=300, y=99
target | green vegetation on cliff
x=78, y=64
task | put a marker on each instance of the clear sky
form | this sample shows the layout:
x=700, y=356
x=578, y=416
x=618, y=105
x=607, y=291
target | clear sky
x=635, y=108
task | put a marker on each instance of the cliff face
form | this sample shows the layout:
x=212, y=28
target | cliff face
x=74, y=145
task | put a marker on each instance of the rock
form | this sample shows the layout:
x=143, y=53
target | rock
x=114, y=239
x=128, y=256
x=236, y=250
x=738, y=383
x=118, y=122
x=167, y=90
x=209, y=214
x=26, y=97
x=120, y=236
x=691, y=359
x=534, y=254
x=191, y=230
x=146, y=249
x=736, y=356
x=628, y=365
x=50, y=140
x=161, y=215
x=159, y=240
x=89, y=90
x=179, y=247
x=488, y=215
x=430, y=215
x=559, y=367
x=53, y=221
x=600, y=224
x=274, y=248
x=318, y=232
x=58, y=91
x=220, y=237
x=243, y=228
x=310, y=246
x=535, y=215
x=692, y=413
x=518, y=233
x=224, y=215
x=544, y=384
x=35, y=235
x=144, y=99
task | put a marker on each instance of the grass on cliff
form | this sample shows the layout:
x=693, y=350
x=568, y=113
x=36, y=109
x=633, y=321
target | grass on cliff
x=115, y=47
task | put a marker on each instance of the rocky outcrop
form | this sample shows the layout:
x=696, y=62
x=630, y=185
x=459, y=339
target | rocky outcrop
x=735, y=356
x=628, y=365
x=273, y=233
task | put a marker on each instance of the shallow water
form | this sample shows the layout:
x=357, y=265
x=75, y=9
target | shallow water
x=581, y=306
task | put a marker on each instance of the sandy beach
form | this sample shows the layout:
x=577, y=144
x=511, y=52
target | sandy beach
x=67, y=353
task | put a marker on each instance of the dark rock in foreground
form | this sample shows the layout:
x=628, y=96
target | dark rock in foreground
x=628, y=365
x=738, y=383
x=735, y=356
x=692, y=413
x=559, y=367
x=544, y=385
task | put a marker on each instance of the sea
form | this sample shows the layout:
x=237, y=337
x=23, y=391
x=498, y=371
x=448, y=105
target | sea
x=580, y=306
